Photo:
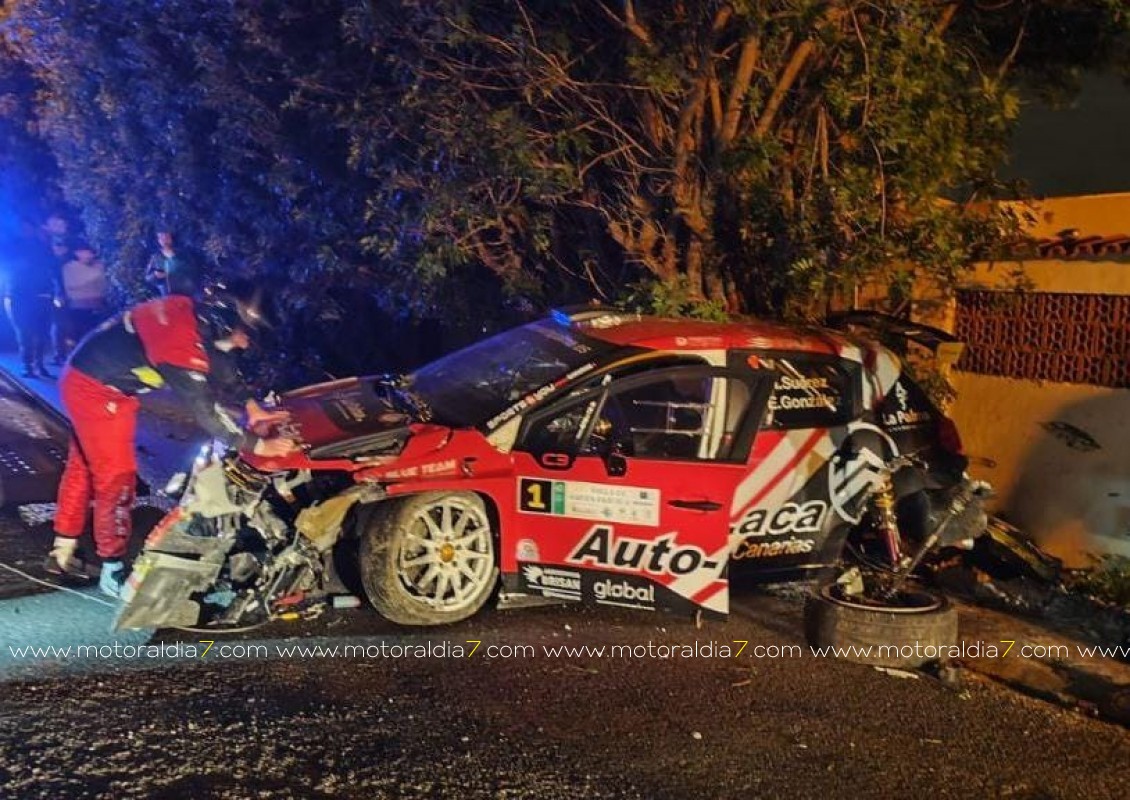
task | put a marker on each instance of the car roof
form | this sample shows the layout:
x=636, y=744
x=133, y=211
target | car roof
x=659, y=333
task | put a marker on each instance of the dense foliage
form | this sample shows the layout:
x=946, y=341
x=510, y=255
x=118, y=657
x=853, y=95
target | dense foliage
x=29, y=179
x=737, y=155
x=384, y=159
x=193, y=116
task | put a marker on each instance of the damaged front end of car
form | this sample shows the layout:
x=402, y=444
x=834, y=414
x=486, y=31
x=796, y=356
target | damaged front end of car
x=241, y=548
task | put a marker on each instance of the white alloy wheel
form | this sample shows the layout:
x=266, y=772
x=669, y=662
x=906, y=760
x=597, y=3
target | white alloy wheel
x=429, y=559
x=447, y=552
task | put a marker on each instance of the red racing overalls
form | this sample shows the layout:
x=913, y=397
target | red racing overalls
x=152, y=345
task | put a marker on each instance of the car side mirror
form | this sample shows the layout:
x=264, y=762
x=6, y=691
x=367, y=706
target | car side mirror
x=615, y=464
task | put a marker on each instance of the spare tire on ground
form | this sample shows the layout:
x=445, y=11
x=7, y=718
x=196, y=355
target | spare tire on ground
x=915, y=629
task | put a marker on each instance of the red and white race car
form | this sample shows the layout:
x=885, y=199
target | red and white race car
x=591, y=457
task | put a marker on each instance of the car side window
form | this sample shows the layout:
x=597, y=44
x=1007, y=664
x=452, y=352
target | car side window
x=562, y=432
x=810, y=391
x=661, y=419
x=685, y=415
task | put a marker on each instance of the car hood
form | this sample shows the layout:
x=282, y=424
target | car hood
x=366, y=416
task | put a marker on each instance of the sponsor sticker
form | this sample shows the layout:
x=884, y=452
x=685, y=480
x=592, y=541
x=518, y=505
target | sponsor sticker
x=788, y=518
x=635, y=505
x=528, y=550
x=904, y=416
x=759, y=548
x=601, y=547
x=625, y=593
x=348, y=407
x=563, y=584
x=901, y=420
x=448, y=466
x=762, y=528
x=607, y=321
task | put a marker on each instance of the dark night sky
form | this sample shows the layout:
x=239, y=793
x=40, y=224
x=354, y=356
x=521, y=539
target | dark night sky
x=1082, y=149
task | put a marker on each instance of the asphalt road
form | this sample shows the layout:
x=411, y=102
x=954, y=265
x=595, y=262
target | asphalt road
x=388, y=723
x=427, y=721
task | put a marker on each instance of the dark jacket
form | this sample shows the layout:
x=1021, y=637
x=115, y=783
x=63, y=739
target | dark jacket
x=29, y=270
x=182, y=273
x=158, y=344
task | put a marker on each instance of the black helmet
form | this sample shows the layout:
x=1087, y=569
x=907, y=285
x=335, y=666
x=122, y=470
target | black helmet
x=227, y=306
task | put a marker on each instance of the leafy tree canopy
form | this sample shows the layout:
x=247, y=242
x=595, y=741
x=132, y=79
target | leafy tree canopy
x=707, y=157
x=227, y=123
x=738, y=155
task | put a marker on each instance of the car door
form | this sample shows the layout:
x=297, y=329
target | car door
x=791, y=502
x=624, y=489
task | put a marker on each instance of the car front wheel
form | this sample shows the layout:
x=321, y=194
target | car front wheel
x=429, y=559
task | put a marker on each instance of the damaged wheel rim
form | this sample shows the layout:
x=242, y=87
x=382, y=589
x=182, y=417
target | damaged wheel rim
x=907, y=601
x=447, y=554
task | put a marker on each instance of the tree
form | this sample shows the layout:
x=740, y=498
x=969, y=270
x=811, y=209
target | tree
x=222, y=121
x=742, y=155
x=426, y=157
x=28, y=174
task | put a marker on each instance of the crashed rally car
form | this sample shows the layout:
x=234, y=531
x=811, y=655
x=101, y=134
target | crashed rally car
x=590, y=457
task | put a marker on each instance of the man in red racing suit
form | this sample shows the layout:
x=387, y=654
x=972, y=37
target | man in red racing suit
x=154, y=344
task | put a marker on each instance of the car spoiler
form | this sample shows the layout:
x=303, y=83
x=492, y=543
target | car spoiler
x=947, y=347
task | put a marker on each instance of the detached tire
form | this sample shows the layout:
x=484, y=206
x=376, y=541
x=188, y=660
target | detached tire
x=429, y=559
x=907, y=635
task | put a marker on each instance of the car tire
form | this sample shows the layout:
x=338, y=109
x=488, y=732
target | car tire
x=429, y=559
x=912, y=632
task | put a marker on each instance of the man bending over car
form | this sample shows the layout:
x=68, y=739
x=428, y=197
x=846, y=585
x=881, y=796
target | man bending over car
x=173, y=341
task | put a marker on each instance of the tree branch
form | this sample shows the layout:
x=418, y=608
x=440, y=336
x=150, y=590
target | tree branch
x=715, y=102
x=1004, y=67
x=747, y=62
x=791, y=72
x=685, y=138
x=785, y=82
x=943, y=21
x=722, y=19
x=882, y=190
x=630, y=23
x=864, y=116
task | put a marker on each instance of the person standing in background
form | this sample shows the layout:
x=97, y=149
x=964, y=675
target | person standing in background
x=56, y=230
x=30, y=289
x=85, y=287
x=173, y=269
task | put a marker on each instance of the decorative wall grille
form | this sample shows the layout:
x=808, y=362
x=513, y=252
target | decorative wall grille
x=1066, y=338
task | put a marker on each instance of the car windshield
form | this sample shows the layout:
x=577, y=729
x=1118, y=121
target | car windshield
x=472, y=386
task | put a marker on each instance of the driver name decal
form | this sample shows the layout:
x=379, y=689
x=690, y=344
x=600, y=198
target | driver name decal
x=790, y=393
x=603, y=548
x=633, y=505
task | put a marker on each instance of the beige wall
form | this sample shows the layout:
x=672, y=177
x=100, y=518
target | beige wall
x=1081, y=276
x=1091, y=215
x=1075, y=502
